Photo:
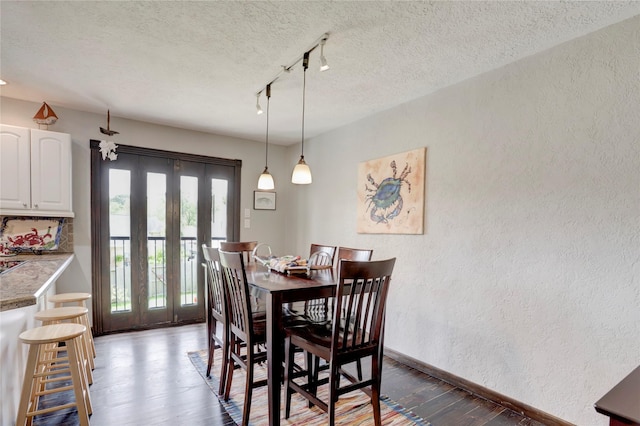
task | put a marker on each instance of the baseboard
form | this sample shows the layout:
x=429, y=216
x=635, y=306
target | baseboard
x=480, y=391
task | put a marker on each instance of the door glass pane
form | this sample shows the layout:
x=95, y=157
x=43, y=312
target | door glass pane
x=219, y=188
x=188, y=240
x=157, y=239
x=120, y=239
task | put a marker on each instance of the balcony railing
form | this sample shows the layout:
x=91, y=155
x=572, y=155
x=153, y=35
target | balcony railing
x=120, y=272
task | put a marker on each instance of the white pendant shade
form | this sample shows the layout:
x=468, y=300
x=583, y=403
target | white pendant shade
x=265, y=182
x=301, y=173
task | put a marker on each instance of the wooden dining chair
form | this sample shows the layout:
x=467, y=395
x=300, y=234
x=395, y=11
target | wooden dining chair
x=244, y=247
x=244, y=329
x=356, y=332
x=323, y=260
x=346, y=253
x=247, y=248
x=217, y=312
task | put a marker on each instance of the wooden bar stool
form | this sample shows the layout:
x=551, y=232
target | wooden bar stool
x=77, y=315
x=77, y=299
x=58, y=369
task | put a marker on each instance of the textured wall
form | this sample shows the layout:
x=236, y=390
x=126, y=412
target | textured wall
x=526, y=280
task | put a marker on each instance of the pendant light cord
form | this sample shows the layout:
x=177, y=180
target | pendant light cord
x=305, y=65
x=266, y=153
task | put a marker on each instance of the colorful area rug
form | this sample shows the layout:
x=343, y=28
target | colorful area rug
x=353, y=408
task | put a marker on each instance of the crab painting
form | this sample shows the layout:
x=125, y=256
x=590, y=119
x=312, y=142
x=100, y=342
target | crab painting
x=385, y=199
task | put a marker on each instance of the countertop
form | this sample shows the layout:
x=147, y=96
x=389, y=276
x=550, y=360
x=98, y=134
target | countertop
x=21, y=286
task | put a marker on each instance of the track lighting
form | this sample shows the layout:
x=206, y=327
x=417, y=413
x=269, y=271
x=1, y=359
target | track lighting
x=301, y=172
x=323, y=61
x=265, y=182
x=258, y=107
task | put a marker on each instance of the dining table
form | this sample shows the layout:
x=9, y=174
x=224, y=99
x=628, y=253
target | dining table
x=277, y=290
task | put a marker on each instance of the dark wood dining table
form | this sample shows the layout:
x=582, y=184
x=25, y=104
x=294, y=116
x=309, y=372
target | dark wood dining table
x=278, y=289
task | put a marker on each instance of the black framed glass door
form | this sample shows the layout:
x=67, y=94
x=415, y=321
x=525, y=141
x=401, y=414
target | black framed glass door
x=152, y=211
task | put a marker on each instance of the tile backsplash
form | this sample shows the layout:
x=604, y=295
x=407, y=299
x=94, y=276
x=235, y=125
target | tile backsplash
x=65, y=244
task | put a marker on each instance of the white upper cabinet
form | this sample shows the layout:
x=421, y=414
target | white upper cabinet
x=15, y=168
x=35, y=172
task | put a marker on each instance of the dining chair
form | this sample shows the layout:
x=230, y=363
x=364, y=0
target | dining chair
x=244, y=330
x=244, y=247
x=323, y=260
x=346, y=253
x=217, y=312
x=247, y=248
x=356, y=332
x=319, y=255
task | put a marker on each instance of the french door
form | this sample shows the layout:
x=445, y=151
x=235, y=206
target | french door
x=152, y=211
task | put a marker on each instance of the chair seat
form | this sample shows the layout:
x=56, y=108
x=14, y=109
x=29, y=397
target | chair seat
x=319, y=335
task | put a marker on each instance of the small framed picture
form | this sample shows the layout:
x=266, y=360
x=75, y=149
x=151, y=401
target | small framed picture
x=263, y=200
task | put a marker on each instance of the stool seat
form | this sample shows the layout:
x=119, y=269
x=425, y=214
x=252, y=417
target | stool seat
x=52, y=333
x=59, y=314
x=69, y=297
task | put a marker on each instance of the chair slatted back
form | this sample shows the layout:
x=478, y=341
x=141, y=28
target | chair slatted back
x=360, y=305
x=323, y=260
x=346, y=253
x=216, y=291
x=244, y=247
x=240, y=318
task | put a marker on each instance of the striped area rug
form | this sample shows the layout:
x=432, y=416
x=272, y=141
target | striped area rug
x=353, y=408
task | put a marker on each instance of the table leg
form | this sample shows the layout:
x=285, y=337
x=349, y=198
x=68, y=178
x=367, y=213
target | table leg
x=274, y=355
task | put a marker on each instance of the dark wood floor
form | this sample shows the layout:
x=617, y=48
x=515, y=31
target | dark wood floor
x=146, y=378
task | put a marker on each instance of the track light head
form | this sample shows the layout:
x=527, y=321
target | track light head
x=258, y=107
x=323, y=61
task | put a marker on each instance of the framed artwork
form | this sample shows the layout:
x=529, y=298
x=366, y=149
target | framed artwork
x=391, y=194
x=263, y=200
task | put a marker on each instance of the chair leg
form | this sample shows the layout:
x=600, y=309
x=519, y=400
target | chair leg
x=230, y=368
x=248, y=391
x=375, y=389
x=334, y=378
x=211, y=328
x=288, y=370
x=225, y=360
x=312, y=377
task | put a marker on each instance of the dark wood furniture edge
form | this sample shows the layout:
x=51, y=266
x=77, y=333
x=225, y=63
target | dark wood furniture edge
x=475, y=389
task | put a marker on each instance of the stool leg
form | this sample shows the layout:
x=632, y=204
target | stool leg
x=27, y=385
x=86, y=379
x=80, y=391
x=85, y=355
x=89, y=336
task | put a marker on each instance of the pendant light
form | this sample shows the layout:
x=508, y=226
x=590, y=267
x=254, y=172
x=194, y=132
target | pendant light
x=265, y=182
x=301, y=172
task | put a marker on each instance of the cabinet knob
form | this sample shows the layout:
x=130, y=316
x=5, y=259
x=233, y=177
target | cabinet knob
x=35, y=205
x=24, y=204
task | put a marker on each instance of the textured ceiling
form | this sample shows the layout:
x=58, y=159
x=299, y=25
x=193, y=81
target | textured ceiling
x=198, y=65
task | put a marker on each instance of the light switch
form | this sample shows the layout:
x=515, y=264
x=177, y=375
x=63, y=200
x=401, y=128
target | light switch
x=247, y=213
x=247, y=223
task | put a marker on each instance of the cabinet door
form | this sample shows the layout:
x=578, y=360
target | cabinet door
x=15, y=174
x=50, y=171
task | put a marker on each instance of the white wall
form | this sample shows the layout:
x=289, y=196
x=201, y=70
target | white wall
x=266, y=226
x=526, y=280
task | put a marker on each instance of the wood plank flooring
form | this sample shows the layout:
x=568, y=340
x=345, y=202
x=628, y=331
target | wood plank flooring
x=146, y=378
